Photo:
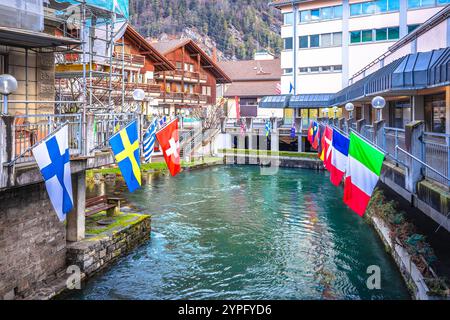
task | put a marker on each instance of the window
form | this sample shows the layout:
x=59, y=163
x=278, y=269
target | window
x=206, y=91
x=373, y=7
x=402, y=114
x=314, y=41
x=326, y=13
x=420, y=3
x=179, y=65
x=303, y=42
x=305, y=16
x=288, y=18
x=435, y=117
x=314, y=69
x=393, y=33
x=325, y=40
x=413, y=27
x=442, y=2
x=381, y=34
x=315, y=15
x=337, y=68
x=287, y=71
x=288, y=45
x=320, y=69
x=303, y=70
x=326, y=69
x=355, y=36
x=337, y=39
x=366, y=35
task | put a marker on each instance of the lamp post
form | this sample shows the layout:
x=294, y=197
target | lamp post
x=350, y=107
x=378, y=103
x=139, y=96
x=8, y=84
x=335, y=110
x=326, y=112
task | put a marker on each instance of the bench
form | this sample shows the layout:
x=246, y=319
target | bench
x=103, y=203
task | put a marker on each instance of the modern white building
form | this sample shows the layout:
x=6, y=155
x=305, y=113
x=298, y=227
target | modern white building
x=326, y=41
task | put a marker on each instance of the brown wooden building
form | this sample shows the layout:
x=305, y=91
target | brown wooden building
x=193, y=82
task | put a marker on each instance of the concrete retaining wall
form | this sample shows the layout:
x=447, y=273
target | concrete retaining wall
x=32, y=241
x=92, y=255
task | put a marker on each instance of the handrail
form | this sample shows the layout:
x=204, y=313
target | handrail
x=423, y=163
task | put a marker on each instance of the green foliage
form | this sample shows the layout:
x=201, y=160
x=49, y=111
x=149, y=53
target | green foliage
x=238, y=27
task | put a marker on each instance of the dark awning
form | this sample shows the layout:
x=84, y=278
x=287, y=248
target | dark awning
x=280, y=101
x=31, y=39
x=310, y=100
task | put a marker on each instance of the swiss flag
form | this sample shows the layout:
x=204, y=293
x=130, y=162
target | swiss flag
x=170, y=146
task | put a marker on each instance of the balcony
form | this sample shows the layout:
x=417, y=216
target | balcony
x=181, y=97
x=181, y=75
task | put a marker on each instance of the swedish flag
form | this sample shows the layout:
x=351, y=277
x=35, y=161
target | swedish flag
x=125, y=146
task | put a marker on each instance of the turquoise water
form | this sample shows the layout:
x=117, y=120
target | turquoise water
x=232, y=233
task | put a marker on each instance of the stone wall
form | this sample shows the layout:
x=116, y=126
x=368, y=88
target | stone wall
x=92, y=255
x=32, y=241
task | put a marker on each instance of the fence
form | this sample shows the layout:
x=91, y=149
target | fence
x=367, y=132
x=391, y=138
x=106, y=125
x=30, y=129
x=436, y=154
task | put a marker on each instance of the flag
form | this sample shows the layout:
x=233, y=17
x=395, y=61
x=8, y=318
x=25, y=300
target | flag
x=278, y=88
x=327, y=138
x=53, y=159
x=293, y=132
x=238, y=107
x=268, y=128
x=312, y=131
x=291, y=88
x=125, y=147
x=170, y=146
x=316, y=137
x=163, y=121
x=363, y=173
x=149, y=141
x=339, y=157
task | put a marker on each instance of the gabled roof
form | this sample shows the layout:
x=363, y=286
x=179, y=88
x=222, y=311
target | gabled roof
x=251, y=89
x=166, y=47
x=161, y=63
x=253, y=70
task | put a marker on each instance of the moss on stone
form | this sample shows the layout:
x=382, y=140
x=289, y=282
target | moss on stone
x=120, y=222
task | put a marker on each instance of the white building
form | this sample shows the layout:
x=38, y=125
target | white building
x=326, y=42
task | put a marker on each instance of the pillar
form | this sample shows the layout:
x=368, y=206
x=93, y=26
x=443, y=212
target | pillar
x=379, y=136
x=447, y=110
x=360, y=124
x=76, y=218
x=91, y=140
x=413, y=134
x=418, y=108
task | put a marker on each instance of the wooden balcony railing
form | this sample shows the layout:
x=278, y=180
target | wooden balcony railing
x=180, y=73
x=194, y=97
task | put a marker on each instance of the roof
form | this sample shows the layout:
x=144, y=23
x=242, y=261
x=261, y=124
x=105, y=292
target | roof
x=310, y=100
x=161, y=63
x=275, y=102
x=281, y=3
x=33, y=40
x=251, y=88
x=166, y=47
x=248, y=70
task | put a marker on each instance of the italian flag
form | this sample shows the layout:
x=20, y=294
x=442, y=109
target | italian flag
x=363, y=173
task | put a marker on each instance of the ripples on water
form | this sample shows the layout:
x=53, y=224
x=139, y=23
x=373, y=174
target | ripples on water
x=231, y=233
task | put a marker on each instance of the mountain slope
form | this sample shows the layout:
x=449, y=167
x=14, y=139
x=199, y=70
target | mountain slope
x=236, y=27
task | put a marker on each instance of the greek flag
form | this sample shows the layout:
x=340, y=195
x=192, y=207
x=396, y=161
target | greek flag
x=149, y=141
x=53, y=159
x=163, y=122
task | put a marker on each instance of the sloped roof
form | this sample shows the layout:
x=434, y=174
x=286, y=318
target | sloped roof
x=253, y=70
x=251, y=88
x=165, y=47
x=161, y=63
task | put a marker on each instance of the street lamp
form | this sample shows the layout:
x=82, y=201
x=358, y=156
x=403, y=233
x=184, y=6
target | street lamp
x=335, y=110
x=8, y=84
x=139, y=95
x=378, y=103
x=350, y=107
x=326, y=111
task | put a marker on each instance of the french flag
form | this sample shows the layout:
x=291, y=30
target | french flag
x=339, y=157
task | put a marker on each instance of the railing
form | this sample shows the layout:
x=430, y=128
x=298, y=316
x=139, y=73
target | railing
x=367, y=132
x=196, y=76
x=106, y=125
x=393, y=137
x=184, y=96
x=436, y=154
x=31, y=129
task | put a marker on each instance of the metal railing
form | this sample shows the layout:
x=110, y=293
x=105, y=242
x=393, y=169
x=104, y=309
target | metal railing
x=367, y=132
x=391, y=138
x=436, y=151
x=28, y=130
x=106, y=125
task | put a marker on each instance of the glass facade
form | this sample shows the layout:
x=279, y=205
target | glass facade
x=288, y=44
x=435, y=117
x=325, y=13
x=288, y=18
x=383, y=34
x=374, y=7
x=401, y=114
x=321, y=40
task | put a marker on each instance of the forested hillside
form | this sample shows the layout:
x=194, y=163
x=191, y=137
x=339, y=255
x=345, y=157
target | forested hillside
x=236, y=27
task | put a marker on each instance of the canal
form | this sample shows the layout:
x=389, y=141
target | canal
x=232, y=233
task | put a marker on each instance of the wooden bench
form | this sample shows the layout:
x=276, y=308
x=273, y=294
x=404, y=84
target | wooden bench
x=103, y=203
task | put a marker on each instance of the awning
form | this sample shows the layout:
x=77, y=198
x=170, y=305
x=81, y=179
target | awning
x=275, y=102
x=31, y=39
x=310, y=100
